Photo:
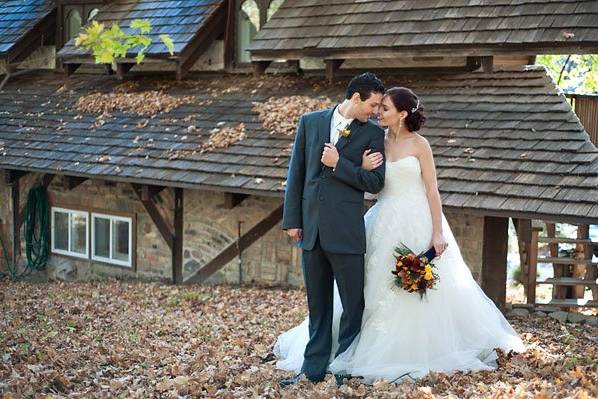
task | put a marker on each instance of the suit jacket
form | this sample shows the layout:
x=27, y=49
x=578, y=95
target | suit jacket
x=330, y=202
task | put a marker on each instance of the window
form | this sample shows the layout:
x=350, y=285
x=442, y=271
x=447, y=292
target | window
x=248, y=23
x=70, y=232
x=73, y=23
x=273, y=7
x=111, y=238
x=92, y=14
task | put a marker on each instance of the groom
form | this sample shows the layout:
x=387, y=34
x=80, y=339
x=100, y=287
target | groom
x=323, y=213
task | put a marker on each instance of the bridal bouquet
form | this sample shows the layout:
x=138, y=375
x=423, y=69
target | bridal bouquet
x=414, y=273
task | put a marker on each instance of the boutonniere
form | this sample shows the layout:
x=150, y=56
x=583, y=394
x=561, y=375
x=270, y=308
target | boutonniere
x=345, y=132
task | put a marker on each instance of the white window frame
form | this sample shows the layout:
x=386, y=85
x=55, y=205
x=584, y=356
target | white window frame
x=70, y=212
x=112, y=218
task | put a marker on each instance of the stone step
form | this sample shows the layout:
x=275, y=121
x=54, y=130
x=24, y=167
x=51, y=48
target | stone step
x=571, y=302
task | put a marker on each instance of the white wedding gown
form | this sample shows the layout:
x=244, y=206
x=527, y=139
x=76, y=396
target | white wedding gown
x=455, y=327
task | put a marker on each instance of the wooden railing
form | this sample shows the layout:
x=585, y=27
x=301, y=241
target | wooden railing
x=586, y=108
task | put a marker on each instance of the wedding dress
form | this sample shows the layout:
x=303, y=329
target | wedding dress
x=454, y=327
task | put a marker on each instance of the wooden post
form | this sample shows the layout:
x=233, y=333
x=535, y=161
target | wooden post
x=533, y=266
x=494, y=259
x=524, y=238
x=559, y=270
x=331, y=67
x=582, y=251
x=122, y=68
x=259, y=67
x=177, y=249
x=15, y=236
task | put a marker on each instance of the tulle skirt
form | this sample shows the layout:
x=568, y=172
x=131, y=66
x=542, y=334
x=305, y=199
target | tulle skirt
x=454, y=327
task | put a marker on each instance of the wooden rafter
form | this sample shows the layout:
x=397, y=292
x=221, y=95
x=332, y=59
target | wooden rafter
x=231, y=200
x=74, y=181
x=229, y=253
x=163, y=227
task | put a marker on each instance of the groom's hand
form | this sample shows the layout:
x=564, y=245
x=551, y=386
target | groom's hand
x=330, y=155
x=295, y=234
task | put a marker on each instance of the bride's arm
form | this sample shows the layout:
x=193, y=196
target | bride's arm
x=426, y=159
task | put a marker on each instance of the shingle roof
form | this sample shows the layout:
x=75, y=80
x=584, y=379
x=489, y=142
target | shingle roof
x=505, y=141
x=180, y=19
x=329, y=28
x=17, y=18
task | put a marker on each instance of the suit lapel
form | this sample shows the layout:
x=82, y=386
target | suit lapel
x=324, y=128
x=354, y=128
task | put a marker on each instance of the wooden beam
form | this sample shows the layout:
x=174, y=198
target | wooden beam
x=74, y=181
x=523, y=227
x=231, y=200
x=15, y=236
x=69, y=69
x=494, y=259
x=122, y=68
x=177, y=249
x=259, y=67
x=229, y=36
x=13, y=176
x=332, y=67
x=159, y=221
x=229, y=253
x=487, y=63
x=533, y=266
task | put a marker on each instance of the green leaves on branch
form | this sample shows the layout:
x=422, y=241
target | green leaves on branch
x=575, y=73
x=106, y=45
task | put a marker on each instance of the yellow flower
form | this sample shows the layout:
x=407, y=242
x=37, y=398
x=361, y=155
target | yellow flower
x=345, y=132
x=428, y=276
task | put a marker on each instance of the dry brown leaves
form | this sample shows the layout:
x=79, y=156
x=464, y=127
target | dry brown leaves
x=146, y=103
x=281, y=114
x=222, y=137
x=133, y=339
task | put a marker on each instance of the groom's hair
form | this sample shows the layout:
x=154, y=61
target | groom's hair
x=364, y=84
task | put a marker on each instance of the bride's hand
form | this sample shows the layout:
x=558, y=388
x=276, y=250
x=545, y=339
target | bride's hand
x=371, y=161
x=439, y=243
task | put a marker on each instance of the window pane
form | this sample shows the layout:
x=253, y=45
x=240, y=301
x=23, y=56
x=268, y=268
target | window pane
x=274, y=6
x=78, y=233
x=101, y=237
x=92, y=14
x=120, y=240
x=249, y=22
x=61, y=232
x=73, y=24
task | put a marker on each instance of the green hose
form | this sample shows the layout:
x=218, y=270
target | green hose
x=37, y=241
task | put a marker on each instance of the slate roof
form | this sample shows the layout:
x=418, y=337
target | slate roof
x=504, y=142
x=17, y=18
x=180, y=19
x=456, y=27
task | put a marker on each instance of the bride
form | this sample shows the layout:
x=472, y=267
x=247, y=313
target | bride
x=455, y=326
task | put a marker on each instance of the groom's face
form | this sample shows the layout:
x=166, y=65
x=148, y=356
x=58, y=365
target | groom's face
x=364, y=109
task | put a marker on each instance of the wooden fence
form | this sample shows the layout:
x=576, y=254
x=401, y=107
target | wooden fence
x=586, y=108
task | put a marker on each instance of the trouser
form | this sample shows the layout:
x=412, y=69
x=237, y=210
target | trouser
x=320, y=269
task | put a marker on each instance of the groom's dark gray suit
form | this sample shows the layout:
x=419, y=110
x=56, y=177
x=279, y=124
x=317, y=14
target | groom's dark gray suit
x=328, y=205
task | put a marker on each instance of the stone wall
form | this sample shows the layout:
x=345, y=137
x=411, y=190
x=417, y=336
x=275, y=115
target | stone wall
x=208, y=228
x=469, y=232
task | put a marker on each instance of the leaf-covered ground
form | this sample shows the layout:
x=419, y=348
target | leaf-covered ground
x=122, y=339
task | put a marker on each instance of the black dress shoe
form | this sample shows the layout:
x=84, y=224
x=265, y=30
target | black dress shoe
x=340, y=378
x=283, y=382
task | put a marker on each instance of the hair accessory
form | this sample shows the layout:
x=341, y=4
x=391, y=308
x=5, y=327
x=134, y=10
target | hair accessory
x=416, y=107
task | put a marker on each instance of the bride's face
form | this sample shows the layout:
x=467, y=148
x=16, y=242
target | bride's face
x=388, y=114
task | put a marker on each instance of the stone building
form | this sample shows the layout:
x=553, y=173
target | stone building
x=132, y=194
